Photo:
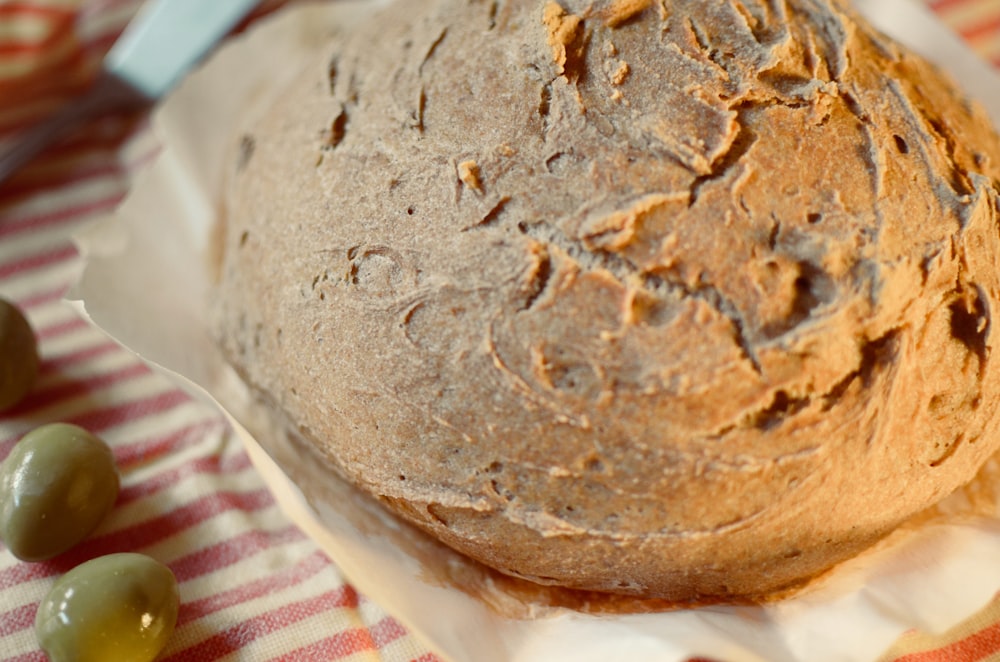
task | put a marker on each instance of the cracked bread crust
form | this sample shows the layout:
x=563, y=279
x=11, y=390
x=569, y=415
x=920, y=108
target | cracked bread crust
x=687, y=300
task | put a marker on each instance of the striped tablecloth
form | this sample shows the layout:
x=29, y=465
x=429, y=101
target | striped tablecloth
x=253, y=586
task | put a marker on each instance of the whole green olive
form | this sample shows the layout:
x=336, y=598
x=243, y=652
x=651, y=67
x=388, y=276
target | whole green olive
x=56, y=486
x=18, y=355
x=120, y=607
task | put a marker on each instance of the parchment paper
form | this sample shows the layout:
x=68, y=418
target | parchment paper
x=145, y=281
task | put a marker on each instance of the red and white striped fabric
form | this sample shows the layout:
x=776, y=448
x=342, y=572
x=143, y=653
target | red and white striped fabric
x=253, y=586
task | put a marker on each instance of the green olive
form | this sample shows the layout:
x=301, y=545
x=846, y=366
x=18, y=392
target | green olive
x=120, y=607
x=56, y=486
x=18, y=355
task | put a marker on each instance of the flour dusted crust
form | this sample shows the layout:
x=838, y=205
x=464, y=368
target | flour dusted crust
x=678, y=299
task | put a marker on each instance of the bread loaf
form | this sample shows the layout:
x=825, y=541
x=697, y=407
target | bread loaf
x=677, y=298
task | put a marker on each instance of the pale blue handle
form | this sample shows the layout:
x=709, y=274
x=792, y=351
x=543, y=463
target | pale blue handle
x=168, y=37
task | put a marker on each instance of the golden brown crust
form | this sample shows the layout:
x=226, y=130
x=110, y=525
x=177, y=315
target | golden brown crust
x=679, y=299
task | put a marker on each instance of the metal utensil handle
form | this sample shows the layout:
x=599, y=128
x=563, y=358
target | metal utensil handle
x=106, y=94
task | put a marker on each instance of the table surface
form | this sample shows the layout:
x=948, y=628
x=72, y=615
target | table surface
x=253, y=587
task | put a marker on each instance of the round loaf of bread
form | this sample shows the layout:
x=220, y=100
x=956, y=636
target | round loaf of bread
x=677, y=298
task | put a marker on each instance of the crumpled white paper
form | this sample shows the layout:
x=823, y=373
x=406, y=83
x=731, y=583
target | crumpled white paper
x=145, y=282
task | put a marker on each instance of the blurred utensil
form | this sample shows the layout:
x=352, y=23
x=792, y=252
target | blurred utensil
x=164, y=40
